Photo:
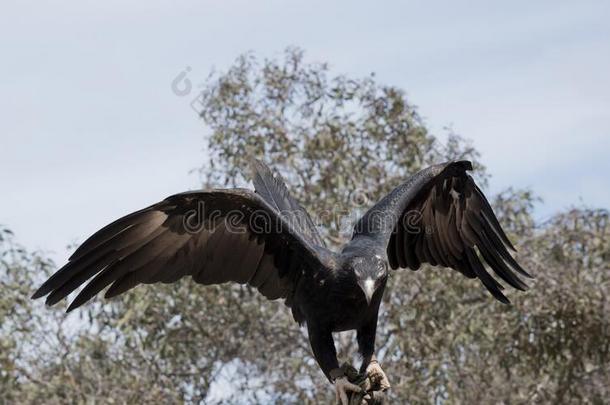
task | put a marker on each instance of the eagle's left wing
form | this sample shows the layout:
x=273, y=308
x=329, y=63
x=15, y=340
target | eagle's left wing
x=439, y=216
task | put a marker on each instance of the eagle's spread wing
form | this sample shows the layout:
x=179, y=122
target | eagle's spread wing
x=214, y=236
x=440, y=216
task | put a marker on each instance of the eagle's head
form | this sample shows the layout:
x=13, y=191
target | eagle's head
x=371, y=272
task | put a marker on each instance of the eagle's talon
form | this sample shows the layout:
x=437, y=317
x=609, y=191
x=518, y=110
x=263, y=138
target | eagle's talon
x=341, y=386
x=376, y=374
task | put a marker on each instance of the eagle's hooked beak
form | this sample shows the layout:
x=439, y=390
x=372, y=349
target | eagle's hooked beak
x=368, y=288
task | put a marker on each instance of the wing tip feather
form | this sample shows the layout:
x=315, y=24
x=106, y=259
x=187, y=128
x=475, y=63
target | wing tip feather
x=73, y=305
x=503, y=299
x=39, y=293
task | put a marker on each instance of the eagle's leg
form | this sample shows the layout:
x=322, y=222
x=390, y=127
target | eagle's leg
x=366, y=347
x=324, y=351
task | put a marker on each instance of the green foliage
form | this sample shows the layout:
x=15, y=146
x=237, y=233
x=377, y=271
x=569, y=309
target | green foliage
x=341, y=143
x=18, y=322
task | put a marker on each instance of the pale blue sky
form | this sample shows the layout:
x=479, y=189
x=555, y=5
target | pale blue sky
x=89, y=129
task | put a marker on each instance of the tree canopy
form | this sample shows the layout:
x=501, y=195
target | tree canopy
x=340, y=143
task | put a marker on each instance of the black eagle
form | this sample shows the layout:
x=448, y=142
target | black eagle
x=266, y=239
